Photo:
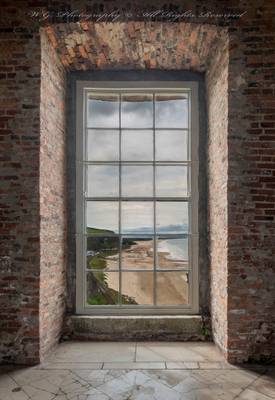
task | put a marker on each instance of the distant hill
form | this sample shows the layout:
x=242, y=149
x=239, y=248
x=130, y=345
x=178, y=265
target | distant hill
x=93, y=231
x=163, y=229
x=181, y=229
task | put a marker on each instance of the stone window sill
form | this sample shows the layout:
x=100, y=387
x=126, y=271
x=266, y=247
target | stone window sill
x=162, y=327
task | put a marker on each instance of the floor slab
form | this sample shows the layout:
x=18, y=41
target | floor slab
x=136, y=384
x=134, y=365
x=186, y=352
x=113, y=371
x=94, y=352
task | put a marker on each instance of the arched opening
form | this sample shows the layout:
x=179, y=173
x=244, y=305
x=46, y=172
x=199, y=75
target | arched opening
x=74, y=48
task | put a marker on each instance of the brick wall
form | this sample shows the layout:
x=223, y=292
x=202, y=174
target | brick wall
x=217, y=107
x=52, y=197
x=251, y=187
x=32, y=198
x=241, y=142
x=19, y=196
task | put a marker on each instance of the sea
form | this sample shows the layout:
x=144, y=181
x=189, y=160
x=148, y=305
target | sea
x=177, y=248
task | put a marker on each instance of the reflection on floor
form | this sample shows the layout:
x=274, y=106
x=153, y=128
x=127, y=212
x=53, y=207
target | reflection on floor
x=137, y=371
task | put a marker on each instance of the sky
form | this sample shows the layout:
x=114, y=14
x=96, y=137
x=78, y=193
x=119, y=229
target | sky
x=103, y=145
x=138, y=216
x=137, y=114
x=137, y=180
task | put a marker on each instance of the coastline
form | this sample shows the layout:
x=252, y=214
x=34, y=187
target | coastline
x=172, y=287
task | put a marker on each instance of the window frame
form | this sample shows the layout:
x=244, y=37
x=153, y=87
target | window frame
x=82, y=87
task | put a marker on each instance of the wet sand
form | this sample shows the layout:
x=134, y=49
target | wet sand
x=172, y=287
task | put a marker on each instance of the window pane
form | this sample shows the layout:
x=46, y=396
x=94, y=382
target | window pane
x=102, y=216
x=102, y=145
x=102, y=180
x=171, y=145
x=103, y=111
x=137, y=181
x=137, y=217
x=102, y=252
x=102, y=288
x=137, y=111
x=171, y=111
x=172, y=288
x=172, y=252
x=171, y=181
x=137, y=146
x=137, y=253
x=172, y=217
x=137, y=287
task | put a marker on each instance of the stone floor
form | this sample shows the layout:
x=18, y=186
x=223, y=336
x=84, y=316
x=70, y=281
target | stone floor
x=137, y=371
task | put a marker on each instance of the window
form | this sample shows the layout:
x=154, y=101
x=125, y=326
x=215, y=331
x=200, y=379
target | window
x=136, y=189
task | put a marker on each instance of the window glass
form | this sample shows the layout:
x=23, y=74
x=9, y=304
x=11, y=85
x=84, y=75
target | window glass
x=137, y=111
x=171, y=145
x=137, y=217
x=172, y=217
x=102, y=145
x=137, y=145
x=103, y=111
x=137, y=253
x=102, y=253
x=172, y=181
x=136, y=197
x=102, y=217
x=137, y=287
x=172, y=288
x=137, y=180
x=172, y=252
x=171, y=111
x=103, y=181
x=102, y=288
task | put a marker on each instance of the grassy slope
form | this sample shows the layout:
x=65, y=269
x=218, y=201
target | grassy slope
x=103, y=295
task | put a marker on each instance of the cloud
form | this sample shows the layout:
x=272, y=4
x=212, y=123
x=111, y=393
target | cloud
x=137, y=145
x=171, y=145
x=138, y=215
x=103, y=180
x=103, y=111
x=171, y=181
x=171, y=113
x=137, y=180
x=103, y=145
x=137, y=114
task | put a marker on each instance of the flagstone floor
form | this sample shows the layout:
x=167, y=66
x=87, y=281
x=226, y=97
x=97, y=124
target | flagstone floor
x=136, y=371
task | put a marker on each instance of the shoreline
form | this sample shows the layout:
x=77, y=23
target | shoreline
x=172, y=287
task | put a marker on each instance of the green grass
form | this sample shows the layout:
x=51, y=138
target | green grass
x=97, y=299
x=102, y=294
x=98, y=260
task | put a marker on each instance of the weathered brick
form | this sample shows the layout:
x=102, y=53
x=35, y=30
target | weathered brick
x=240, y=88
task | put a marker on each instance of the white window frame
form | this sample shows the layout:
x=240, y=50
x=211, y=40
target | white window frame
x=82, y=88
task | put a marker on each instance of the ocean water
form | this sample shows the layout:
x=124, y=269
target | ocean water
x=177, y=248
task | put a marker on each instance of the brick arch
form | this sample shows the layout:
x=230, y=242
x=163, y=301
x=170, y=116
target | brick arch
x=83, y=46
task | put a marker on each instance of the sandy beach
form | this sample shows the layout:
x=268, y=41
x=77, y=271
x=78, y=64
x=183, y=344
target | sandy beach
x=172, y=287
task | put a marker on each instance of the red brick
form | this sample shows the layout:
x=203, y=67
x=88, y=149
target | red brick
x=240, y=117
